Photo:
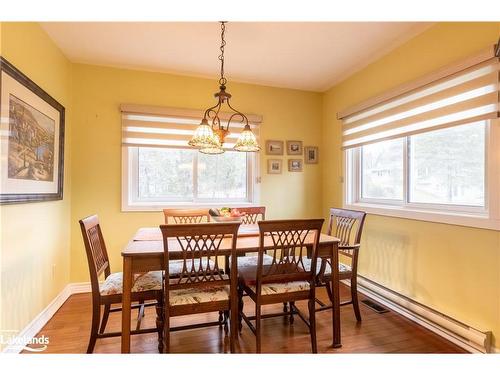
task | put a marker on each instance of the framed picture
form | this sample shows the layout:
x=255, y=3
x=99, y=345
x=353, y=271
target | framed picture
x=311, y=154
x=274, y=166
x=294, y=165
x=294, y=147
x=31, y=142
x=274, y=147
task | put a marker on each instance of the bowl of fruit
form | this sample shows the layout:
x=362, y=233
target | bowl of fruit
x=226, y=214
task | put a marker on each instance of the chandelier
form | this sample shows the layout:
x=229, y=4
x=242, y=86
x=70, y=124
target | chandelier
x=210, y=135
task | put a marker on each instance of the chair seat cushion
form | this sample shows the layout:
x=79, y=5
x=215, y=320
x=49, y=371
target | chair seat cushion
x=175, y=266
x=279, y=288
x=143, y=282
x=193, y=296
x=343, y=268
x=251, y=260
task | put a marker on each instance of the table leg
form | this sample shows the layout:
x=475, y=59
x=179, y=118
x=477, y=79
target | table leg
x=126, y=303
x=335, y=298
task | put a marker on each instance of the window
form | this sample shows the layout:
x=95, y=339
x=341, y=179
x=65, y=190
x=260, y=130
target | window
x=429, y=149
x=160, y=170
x=442, y=172
x=182, y=177
x=382, y=170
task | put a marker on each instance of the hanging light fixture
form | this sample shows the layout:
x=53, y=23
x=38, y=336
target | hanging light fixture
x=210, y=137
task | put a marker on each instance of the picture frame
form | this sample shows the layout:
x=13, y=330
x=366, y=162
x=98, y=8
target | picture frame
x=32, y=142
x=294, y=147
x=295, y=165
x=311, y=155
x=274, y=147
x=274, y=166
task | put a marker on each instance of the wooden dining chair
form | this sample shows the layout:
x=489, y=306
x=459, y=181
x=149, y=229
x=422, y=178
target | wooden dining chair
x=286, y=279
x=146, y=286
x=202, y=288
x=347, y=226
x=186, y=216
x=252, y=216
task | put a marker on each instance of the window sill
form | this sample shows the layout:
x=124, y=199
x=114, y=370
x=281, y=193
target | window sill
x=158, y=207
x=474, y=220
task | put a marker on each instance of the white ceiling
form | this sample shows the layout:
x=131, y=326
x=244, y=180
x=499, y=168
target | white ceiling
x=300, y=55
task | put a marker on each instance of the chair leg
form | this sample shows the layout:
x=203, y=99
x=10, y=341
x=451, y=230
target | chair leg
x=312, y=325
x=292, y=306
x=329, y=290
x=354, y=298
x=257, y=328
x=285, y=307
x=159, y=323
x=105, y=317
x=226, y=319
x=240, y=309
x=96, y=315
x=166, y=333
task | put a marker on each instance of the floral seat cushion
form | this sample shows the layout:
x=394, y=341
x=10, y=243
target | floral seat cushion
x=251, y=260
x=175, y=266
x=143, y=282
x=191, y=296
x=279, y=288
x=343, y=268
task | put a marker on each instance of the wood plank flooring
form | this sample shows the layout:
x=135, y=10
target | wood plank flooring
x=68, y=332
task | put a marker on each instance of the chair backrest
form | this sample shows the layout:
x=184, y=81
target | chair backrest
x=287, y=241
x=97, y=255
x=252, y=214
x=347, y=226
x=199, y=246
x=186, y=216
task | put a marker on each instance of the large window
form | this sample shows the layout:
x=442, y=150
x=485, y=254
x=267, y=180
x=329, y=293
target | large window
x=160, y=177
x=441, y=171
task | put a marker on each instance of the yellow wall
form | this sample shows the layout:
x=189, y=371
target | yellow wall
x=450, y=268
x=34, y=237
x=96, y=150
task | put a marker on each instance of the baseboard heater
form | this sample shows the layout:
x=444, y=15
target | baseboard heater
x=467, y=337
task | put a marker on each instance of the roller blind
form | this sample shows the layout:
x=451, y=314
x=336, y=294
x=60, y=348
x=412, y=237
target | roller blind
x=149, y=126
x=468, y=95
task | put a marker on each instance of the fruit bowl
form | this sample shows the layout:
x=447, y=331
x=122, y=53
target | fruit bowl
x=226, y=214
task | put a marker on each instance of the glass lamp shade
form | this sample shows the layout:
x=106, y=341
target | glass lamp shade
x=247, y=141
x=212, y=150
x=204, y=136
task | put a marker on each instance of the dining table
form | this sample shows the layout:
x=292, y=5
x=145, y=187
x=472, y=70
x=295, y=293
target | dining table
x=145, y=252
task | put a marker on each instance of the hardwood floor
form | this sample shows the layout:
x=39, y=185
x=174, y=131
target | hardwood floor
x=68, y=332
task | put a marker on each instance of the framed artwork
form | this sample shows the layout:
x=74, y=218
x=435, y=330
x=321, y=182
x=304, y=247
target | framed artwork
x=274, y=166
x=274, y=147
x=311, y=154
x=295, y=165
x=294, y=147
x=31, y=142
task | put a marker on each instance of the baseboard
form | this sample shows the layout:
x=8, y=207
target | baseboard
x=468, y=338
x=32, y=329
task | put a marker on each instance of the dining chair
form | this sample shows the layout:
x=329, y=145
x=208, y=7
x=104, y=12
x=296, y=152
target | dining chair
x=202, y=288
x=347, y=226
x=146, y=287
x=285, y=279
x=252, y=216
x=186, y=216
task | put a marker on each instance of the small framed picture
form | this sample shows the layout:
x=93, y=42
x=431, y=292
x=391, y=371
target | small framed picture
x=294, y=165
x=294, y=147
x=274, y=147
x=311, y=154
x=274, y=166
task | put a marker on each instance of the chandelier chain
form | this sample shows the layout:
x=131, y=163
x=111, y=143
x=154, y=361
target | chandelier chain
x=222, y=79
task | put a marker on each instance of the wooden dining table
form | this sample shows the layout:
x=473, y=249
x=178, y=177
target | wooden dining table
x=144, y=253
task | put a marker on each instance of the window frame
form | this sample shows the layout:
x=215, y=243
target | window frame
x=130, y=201
x=487, y=216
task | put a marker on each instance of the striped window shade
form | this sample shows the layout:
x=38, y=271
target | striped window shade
x=463, y=93
x=149, y=126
